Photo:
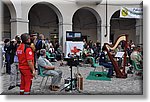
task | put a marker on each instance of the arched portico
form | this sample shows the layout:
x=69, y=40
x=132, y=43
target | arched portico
x=123, y=26
x=8, y=14
x=45, y=18
x=87, y=21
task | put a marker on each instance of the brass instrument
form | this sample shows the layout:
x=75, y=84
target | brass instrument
x=119, y=73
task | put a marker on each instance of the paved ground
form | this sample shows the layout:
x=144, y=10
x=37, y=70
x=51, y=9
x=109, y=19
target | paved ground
x=131, y=85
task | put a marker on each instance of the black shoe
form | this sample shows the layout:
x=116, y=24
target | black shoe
x=80, y=65
x=129, y=72
x=11, y=87
x=92, y=65
x=18, y=85
x=109, y=76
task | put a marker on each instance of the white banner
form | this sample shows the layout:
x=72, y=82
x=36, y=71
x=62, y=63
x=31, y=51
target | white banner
x=71, y=46
x=131, y=12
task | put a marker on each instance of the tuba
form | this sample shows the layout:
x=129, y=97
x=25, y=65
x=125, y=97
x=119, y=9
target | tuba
x=119, y=73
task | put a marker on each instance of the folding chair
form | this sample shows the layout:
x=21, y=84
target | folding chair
x=136, y=68
x=94, y=64
x=48, y=55
x=43, y=75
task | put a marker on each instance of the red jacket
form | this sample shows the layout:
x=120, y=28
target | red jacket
x=24, y=55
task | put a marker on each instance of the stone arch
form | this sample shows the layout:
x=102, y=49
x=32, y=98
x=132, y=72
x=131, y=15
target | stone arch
x=9, y=13
x=55, y=11
x=94, y=12
x=95, y=16
x=122, y=26
x=11, y=7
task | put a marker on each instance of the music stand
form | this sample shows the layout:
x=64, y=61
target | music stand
x=119, y=54
x=71, y=62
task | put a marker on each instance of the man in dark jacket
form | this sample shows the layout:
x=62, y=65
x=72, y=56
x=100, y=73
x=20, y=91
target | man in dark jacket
x=104, y=62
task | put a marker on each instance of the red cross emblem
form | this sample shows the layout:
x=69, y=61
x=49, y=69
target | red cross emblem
x=75, y=50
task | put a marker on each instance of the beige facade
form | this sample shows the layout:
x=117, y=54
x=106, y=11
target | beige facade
x=55, y=17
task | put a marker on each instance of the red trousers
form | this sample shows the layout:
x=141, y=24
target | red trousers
x=26, y=80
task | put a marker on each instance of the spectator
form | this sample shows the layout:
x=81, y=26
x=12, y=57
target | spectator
x=33, y=38
x=95, y=50
x=60, y=55
x=85, y=43
x=49, y=69
x=13, y=48
x=52, y=52
x=137, y=57
x=7, y=55
x=89, y=51
x=40, y=44
x=47, y=44
x=56, y=45
x=15, y=73
x=98, y=44
x=90, y=43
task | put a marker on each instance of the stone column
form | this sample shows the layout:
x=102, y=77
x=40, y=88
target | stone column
x=0, y=45
x=139, y=31
x=1, y=21
x=60, y=33
x=65, y=27
x=19, y=26
x=98, y=32
x=105, y=37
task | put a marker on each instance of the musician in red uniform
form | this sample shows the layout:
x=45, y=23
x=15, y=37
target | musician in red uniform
x=26, y=64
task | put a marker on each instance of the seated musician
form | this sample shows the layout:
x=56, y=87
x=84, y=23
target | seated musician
x=49, y=69
x=60, y=55
x=137, y=57
x=87, y=52
x=104, y=62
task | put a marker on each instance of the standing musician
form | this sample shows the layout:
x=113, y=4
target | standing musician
x=26, y=64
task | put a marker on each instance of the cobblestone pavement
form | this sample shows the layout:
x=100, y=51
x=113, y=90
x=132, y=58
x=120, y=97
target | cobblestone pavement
x=132, y=85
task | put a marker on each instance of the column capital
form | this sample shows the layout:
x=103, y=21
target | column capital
x=19, y=20
x=66, y=23
x=104, y=25
x=140, y=25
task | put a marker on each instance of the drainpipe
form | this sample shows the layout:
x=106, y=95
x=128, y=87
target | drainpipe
x=106, y=20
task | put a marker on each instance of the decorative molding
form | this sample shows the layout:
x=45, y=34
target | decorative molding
x=19, y=20
x=88, y=2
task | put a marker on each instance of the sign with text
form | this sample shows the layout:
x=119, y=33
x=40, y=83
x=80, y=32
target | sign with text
x=131, y=12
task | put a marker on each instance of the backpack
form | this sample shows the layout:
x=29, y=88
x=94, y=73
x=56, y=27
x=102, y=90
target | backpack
x=38, y=45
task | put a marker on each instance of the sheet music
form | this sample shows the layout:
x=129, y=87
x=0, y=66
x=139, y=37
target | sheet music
x=119, y=54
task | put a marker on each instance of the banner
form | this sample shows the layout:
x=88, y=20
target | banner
x=131, y=12
x=72, y=47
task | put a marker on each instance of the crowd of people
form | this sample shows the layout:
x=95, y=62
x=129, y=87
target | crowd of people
x=134, y=53
x=24, y=54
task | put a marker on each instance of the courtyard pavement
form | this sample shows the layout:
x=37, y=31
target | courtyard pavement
x=132, y=85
